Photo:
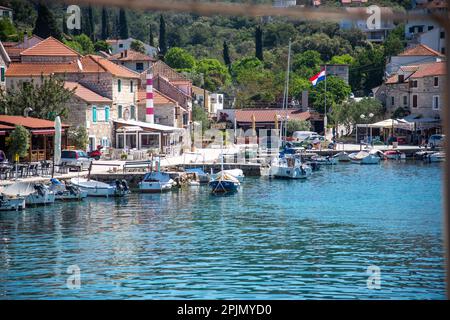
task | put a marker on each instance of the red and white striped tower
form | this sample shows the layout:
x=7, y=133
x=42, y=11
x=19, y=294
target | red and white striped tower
x=149, y=111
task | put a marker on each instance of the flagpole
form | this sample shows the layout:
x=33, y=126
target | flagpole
x=325, y=118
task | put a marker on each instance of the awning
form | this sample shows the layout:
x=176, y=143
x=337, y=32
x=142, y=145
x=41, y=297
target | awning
x=129, y=129
x=43, y=132
x=147, y=125
x=2, y=133
x=389, y=123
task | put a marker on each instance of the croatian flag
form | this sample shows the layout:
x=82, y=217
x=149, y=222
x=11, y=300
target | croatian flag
x=318, y=78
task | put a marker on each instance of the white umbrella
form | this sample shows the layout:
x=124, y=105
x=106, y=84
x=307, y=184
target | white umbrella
x=57, y=151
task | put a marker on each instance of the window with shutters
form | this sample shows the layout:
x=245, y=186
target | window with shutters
x=94, y=114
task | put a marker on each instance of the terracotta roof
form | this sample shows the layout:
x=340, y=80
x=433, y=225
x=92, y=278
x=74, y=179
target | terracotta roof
x=14, y=53
x=9, y=44
x=5, y=8
x=86, y=94
x=93, y=63
x=130, y=55
x=34, y=69
x=5, y=127
x=158, y=97
x=430, y=70
x=162, y=69
x=28, y=122
x=268, y=115
x=50, y=47
x=420, y=50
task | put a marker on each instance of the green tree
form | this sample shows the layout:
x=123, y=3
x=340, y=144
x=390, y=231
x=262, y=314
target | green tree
x=179, y=58
x=337, y=92
x=343, y=59
x=47, y=99
x=7, y=30
x=138, y=46
x=162, y=36
x=259, y=44
x=367, y=71
x=88, y=23
x=46, y=25
x=78, y=137
x=102, y=45
x=226, y=54
x=215, y=73
x=18, y=142
x=348, y=112
x=322, y=43
x=199, y=115
x=151, y=37
x=297, y=125
x=307, y=64
x=123, y=24
x=106, y=30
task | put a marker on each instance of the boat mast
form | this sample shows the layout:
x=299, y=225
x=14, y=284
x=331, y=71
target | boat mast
x=283, y=131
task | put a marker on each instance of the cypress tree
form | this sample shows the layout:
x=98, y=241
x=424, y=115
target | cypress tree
x=259, y=44
x=64, y=25
x=106, y=32
x=46, y=24
x=226, y=54
x=123, y=25
x=91, y=23
x=162, y=36
x=151, y=37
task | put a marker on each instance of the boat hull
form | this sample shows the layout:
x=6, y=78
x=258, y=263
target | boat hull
x=94, y=188
x=12, y=204
x=155, y=187
x=37, y=199
x=223, y=186
x=291, y=173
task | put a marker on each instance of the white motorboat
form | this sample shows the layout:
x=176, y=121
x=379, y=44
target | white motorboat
x=154, y=182
x=11, y=203
x=324, y=160
x=94, y=188
x=394, y=155
x=33, y=193
x=364, y=157
x=237, y=173
x=436, y=157
x=66, y=192
x=342, y=157
x=290, y=167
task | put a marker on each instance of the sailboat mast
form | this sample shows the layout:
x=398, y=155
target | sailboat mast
x=287, y=88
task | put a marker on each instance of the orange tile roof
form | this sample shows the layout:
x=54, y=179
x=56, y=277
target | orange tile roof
x=420, y=50
x=430, y=70
x=94, y=63
x=28, y=122
x=86, y=94
x=162, y=69
x=50, y=47
x=5, y=127
x=158, y=97
x=130, y=55
x=34, y=69
x=268, y=115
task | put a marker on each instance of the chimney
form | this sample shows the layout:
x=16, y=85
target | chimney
x=401, y=78
x=126, y=53
x=149, y=111
x=121, y=54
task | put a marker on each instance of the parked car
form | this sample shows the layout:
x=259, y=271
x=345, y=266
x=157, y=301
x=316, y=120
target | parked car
x=312, y=141
x=436, y=140
x=76, y=158
x=299, y=136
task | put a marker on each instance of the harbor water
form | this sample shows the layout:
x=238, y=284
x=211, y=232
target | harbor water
x=274, y=239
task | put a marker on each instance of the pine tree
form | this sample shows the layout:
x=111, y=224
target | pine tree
x=64, y=25
x=91, y=24
x=106, y=31
x=123, y=25
x=46, y=25
x=151, y=37
x=162, y=36
x=226, y=54
x=87, y=23
x=259, y=44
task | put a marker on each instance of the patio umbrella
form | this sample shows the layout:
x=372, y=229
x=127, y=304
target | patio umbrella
x=57, y=151
x=254, y=124
x=276, y=121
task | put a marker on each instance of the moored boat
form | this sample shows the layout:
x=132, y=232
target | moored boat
x=436, y=157
x=289, y=166
x=224, y=183
x=94, y=188
x=364, y=157
x=342, y=157
x=324, y=160
x=66, y=192
x=33, y=193
x=154, y=182
x=11, y=203
x=394, y=155
x=202, y=176
x=237, y=173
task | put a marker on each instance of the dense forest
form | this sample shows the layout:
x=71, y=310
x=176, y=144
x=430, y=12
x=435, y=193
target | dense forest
x=242, y=57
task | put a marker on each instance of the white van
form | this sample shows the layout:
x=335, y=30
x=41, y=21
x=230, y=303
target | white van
x=299, y=136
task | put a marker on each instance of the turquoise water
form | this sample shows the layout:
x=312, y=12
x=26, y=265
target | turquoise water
x=275, y=239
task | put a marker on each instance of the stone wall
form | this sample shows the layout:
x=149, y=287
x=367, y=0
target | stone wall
x=47, y=59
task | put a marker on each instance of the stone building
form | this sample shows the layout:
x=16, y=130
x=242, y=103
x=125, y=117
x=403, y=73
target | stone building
x=133, y=60
x=4, y=63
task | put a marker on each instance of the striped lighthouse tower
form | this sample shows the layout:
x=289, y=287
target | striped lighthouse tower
x=149, y=111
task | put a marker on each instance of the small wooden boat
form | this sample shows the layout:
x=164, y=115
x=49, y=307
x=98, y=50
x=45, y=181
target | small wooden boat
x=94, y=188
x=66, y=192
x=224, y=183
x=202, y=176
x=325, y=160
x=154, y=182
